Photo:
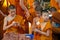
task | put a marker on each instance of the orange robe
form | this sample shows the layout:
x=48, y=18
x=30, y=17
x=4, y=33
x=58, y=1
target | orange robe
x=12, y=2
x=20, y=20
x=48, y=26
x=31, y=10
x=13, y=33
x=30, y=6
x=38, y=36
x=55, y=4
x=20, y=11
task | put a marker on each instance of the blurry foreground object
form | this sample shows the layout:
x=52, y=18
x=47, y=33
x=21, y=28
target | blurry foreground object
x=56, y=26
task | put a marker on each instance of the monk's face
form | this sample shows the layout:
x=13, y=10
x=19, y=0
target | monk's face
x=45, y=16
x=36, y=4
x=12, y=12
x=38, y=13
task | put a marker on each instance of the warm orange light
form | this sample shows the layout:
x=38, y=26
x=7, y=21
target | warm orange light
x=58, y=10
x=30, y=28
x=6, y=3
x=37, y=22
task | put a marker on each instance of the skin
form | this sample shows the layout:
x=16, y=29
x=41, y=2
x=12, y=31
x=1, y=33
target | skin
x=0, y=0
x=12, y=14
x=45, y=16
x=2, y=13
x=24, y=8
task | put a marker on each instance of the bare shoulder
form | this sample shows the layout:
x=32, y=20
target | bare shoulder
x=6, y=18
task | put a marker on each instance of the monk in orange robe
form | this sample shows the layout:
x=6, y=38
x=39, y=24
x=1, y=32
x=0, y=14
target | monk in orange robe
x=42, y=28
x=20, y=7
x=13, y=25
x=32, y=6
x=55, y=3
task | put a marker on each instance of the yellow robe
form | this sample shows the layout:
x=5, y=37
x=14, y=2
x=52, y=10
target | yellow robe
x=48, y=26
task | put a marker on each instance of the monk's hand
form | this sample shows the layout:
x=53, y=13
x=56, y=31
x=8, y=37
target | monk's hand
x=36, y=30
x=18, y=24
x=33, y=28
x=15, y=23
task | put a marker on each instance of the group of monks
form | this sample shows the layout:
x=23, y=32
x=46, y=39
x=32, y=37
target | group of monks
x=29, y=14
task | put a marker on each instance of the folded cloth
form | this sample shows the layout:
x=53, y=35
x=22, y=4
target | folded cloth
x=29, y=36
x=56, y=17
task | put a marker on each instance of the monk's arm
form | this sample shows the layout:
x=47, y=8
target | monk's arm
x=47, y=33
x=22, y=5
x=37, y=30
x=3, y=13
x=24, y=8
x=5, y=26
x=33, y=25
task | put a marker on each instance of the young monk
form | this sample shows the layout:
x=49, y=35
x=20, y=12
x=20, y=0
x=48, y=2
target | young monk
x=37, y=18
x=13, y=25
x=22, y=10
x=42, y=29
x=20, y=7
